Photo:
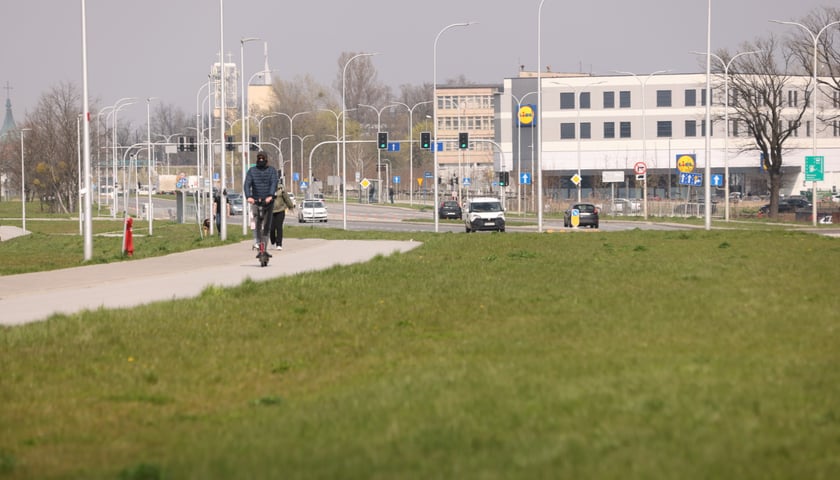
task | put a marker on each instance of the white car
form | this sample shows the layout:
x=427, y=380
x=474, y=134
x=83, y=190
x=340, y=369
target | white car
x=312, y=211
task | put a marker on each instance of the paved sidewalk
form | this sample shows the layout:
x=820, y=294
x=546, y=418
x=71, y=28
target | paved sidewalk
x=31, y=297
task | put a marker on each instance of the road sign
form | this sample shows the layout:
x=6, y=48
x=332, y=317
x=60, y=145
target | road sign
x=304, y=185
x=365, y=183
x=394, y=146
x=296, y=176
x=396, y=179
x=427, y=175
x=576, y=179
x=439, y=146
x=640, y=168
x=814, y=169
x=466, y=181
x=693, y=179
x=685, y=163
x=575, y=217
x=716, y=180
x=525, y=178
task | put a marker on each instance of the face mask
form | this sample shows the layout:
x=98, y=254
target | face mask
x=261, y=162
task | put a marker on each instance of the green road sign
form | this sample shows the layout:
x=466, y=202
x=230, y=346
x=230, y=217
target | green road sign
x=814, y=169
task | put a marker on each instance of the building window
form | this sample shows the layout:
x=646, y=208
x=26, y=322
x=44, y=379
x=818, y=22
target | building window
x=609, y=129
x=836, y=98
x=624, y=130
x=624, y=99
x=567, y=101
x=808, y=128
x=663, y=98
x=586, y=130
x=663, y=129
x=837, y=128
x=690, y=128
x=609, y=99
x=584, y=100
x=733, y=128
x=691, y=98
x=567, y=131
x=793, y=98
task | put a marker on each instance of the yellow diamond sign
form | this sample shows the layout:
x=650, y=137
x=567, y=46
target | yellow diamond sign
x=365, y=183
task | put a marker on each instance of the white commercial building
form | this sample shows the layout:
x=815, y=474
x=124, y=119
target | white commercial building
x=597, y=124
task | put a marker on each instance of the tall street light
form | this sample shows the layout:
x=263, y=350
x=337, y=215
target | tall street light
x=411, y=148
x=291, y=119
x=643, y=83
x=149, y=207
x=726, y=66
x=23, y=180
x=344, y=130
x=815, y=38
x=539, y=119
x=519, y=102
x=434, y=115
x=337, y=138
x=88, y=222
x=378, y=150
x=244, y=114
x=114, y=147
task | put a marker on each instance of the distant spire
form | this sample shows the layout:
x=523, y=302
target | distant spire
x=267, y=76
x=9, y=122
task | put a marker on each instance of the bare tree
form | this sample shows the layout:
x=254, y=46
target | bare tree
x=361, y=85
x=758, y=87
x=53, y=143
x=801, y=44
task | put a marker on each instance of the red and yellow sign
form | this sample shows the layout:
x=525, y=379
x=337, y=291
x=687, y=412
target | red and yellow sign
x=685, y=163
x=526, y=115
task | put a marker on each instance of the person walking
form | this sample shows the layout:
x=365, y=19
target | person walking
x=259, y=187
x=282, y=203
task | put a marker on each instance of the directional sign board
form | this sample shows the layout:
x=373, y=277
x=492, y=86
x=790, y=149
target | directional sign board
x=394, y=146
x=693, y=179
x=814, y=169
x=466, y=181
x=525, y=178
x=716, y=180
x=575, y=217
x=396, y=179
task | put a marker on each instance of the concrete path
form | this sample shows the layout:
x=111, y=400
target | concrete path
x=32, y=297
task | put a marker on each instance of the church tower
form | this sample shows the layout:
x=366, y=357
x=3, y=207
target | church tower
x=9, y=125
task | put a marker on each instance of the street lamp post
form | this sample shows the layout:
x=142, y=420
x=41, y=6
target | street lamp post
x=291, y=119
x=344, y=130
x=378, y=150
x=411, y=148
x=815, y=38
x=434, y=115
x=337, y=154
x=244, y=113
x=23, y=180
x=114, y=137
x=519, y=102
x=539, y=121
x=302, y=139
x=726, y=66
x=643, y=83
x=149, y=207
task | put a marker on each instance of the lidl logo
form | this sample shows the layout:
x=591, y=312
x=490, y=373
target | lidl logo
x=526, y=115
x=685, y=163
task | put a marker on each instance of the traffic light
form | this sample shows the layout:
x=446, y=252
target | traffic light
x=383, y=140
x=425, y=140
x=192, y=144
x=463, y=140
x=504, y=179
x=181, y=144
x=254, y=146
x=229, y=143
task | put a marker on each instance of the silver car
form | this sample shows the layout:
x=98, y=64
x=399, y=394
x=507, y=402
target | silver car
x=312, y=211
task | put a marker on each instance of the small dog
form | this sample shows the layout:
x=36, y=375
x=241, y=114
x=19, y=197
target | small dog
x=206, y=227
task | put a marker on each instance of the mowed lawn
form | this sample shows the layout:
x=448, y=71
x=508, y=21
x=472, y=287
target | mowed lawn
x=638, y=354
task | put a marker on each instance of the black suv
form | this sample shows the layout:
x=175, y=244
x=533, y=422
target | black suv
x=449, y=209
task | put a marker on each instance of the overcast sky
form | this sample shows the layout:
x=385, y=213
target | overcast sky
x=164, y=48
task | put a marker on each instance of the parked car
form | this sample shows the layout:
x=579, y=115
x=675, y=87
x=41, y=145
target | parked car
x=449, y=209
x=624, y=206
x=484, y=213
x=236, y=203
x=787, y=205
x=312, y=211
x=588, y=214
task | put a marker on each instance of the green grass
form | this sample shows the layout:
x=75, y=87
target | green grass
x=636, y=354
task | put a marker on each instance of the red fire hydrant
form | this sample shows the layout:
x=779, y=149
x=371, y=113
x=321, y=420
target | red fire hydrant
x=128, y=238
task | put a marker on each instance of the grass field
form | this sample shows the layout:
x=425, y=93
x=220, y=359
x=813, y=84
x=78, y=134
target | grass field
x=636, y=354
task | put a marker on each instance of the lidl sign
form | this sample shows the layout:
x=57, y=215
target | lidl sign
x=527, y=116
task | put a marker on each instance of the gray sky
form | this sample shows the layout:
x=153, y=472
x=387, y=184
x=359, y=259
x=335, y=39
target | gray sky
x=164, y=48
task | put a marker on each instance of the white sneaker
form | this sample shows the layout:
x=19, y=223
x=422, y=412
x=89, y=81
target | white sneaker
x=279, y=247
x=256, y=246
